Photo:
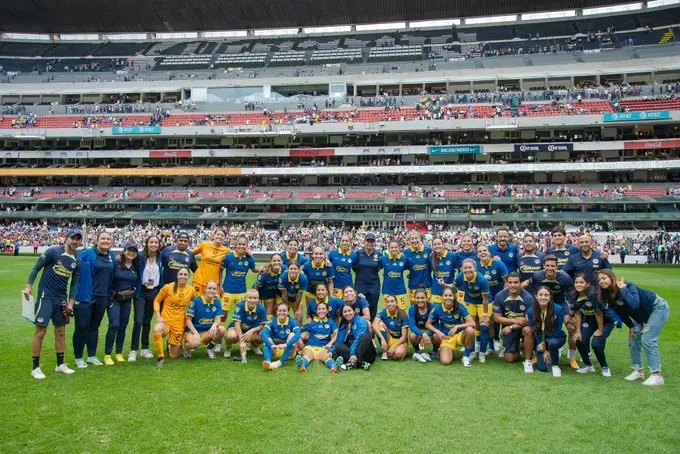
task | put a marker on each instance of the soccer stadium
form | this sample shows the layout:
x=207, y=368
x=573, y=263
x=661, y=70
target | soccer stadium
x=309, y=226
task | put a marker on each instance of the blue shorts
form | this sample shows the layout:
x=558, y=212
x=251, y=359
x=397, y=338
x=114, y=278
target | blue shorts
x=47, y=309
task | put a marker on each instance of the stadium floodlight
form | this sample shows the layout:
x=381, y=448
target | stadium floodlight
x=329, y=29
x=550, y=15
x=434, y=23
x=491, y=19
x=612, y=9
x=225, y=34
x=275, y=32
x=381, y=26
x=78, y=37
x=180, y=35
x=27, y=36
x=658, y=3
x=126, y=37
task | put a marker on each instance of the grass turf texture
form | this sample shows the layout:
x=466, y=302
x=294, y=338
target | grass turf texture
x=221, y=405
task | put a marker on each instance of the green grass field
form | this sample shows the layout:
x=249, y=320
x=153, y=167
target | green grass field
x=224, y=406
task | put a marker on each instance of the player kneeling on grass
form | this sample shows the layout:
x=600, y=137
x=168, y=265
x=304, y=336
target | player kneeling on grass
x=453, y=327
x=171, y=321
x=249, y=318
x=279, y=337
x=420, y=336
x=510, y=308
x=322, y=333
x=204, y=317
x=391, y=328
x=546, y=318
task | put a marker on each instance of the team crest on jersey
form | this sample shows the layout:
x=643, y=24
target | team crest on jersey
x=494, y=272
x=240, y=263
x=357, y=310
x=73, y=265
x=297, y=287
x=589, y=304
x=287, y=331
x=585, y=325
x=620, y=303
x=595, y=261
x=326, y=326
x=448, y=262
x=511, y=255
x=401, y=263
x=522, y=307
x=39, y=319
x=186, y=259
x=349, y=260
x=566, y=253
x=456, y=316
x=375, y=257
x=214, y=309
x=537, y=261
x=238, y=309
x=476, y=287
x=324, y=274
x=425, y=255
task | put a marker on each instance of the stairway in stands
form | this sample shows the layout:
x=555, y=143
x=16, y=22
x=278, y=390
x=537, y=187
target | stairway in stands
x=667, y=37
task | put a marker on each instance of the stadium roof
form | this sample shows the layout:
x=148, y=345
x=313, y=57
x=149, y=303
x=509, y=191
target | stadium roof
x=82, y=16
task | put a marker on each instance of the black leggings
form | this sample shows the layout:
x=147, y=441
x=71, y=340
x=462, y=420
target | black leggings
x=143, y=310
x=365, y=352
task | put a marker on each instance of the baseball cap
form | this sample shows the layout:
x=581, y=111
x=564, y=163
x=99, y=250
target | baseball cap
x=370, y=237
x=131, y=246
x=74, y=232
x=183, y=236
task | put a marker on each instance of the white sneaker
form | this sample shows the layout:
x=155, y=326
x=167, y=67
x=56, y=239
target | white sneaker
x=64, y=369
x=466, y=362
x=94, y=361
x=606, y=372
x=654, y=380
x=501, y=352
x=635, y=375
x=586, y=369
x=473, y=355
x=244, y=360
x=418, y=357
x=482, y=357
x=186, y=353
x=426, y=357
x=132, y=356
x=528, y=367
x=384, y=356
x=37, y=373
x=80, y=363
x=217, y=348
x=146, y=354
x=256, y=350
x=497, y=346
x=227, y=352
x=556, y=371
x=211, y=353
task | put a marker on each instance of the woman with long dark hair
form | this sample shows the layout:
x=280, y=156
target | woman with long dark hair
x=546, y=319
x=645, y=314
x=124, y=288
x=149, y=282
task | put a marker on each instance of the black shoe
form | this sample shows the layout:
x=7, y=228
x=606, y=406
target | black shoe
x=366, y=365
x=160, y=362
x=348, y=366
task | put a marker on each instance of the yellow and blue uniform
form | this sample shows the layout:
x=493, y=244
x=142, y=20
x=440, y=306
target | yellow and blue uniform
x=275, y=333
x=321, y=332
x=471, y=293
x=342, y=263
x=445, y=269
x=420, y=269
x=558, y=286
x=393, y=278
x=508, y=255
x=445, y=320
x=236, y=269
x=334, y=307
x=203, y=313
x=292, y=287
x=316, y=275
x=299, y=258
x=512, y=307
x=528, y=264
x=173, y=260
x=577, y=264
x=58, y=267
x=249, y=318
x=494, y=272
x=393, y=324
x=268, y=283
x=563, y=254
x=417, y=321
